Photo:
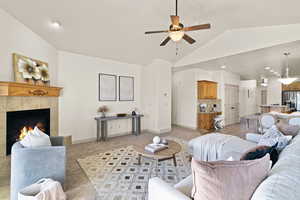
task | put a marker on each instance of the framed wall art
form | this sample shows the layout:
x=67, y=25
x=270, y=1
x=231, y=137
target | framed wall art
x=107, y=87
x=29, y=70
x=126, y=88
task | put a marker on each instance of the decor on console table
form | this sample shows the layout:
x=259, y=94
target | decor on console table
x=121, y=115
x=103, y=110
x=107, y=87
x=126, y=88
x=29, y=70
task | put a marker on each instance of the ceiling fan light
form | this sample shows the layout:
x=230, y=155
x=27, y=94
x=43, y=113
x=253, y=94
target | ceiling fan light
x=176, y=35
x=287, y=81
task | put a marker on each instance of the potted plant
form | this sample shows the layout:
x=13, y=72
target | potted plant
x=103, y=110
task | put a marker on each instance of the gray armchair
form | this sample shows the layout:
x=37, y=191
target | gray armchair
x=28, y=165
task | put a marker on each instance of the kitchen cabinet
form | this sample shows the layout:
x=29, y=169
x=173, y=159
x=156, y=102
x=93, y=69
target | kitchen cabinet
x=291, y=87
x=207, y=90
x=206, y=120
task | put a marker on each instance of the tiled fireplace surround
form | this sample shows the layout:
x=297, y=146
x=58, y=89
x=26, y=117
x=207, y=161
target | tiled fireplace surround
x=11, y=103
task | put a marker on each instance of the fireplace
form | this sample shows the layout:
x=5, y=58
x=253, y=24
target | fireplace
x=20, y=122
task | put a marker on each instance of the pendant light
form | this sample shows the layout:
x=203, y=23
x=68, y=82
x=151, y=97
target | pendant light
x=287, y=80
x=264, y=82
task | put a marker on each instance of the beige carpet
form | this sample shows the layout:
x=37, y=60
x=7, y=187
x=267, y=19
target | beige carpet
x=116, y=176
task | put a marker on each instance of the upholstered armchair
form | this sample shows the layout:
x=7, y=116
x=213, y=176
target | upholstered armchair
x=28, y=165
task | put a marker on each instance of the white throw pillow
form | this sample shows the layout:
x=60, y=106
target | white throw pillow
x=36, y=138
x=273, y=136
x=272, y=133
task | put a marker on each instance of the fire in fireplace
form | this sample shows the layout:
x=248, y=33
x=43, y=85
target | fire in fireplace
x=19, y=123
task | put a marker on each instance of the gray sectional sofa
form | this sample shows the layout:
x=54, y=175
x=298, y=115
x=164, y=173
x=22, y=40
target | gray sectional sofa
x=282, y=182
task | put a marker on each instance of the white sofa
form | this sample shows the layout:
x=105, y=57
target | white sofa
x=282, y=182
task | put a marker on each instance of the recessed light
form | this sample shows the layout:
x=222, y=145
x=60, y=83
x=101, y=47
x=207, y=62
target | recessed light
x=267, y=68
x=272, y=70
x=223, y=67
x=56, y=24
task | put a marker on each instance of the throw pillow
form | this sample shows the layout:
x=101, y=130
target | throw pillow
x=282, y=141
x=288, y=129
x=272, y=133
x=36, y=138
x=273, y=136
x=260, y=151
x=228, y=180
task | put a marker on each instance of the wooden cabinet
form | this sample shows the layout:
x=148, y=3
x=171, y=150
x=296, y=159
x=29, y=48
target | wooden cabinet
x=291, y=87
x=206, y=120
x=207, y=90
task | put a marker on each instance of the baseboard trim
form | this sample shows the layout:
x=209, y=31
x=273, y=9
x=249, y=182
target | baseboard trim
x=84, y=140
x=161, y=131
x=187, y=127
x=94, y=139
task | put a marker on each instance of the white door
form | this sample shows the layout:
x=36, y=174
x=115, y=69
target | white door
x=232, y=115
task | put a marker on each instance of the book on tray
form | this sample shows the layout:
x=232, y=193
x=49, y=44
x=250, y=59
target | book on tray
x=153, y=148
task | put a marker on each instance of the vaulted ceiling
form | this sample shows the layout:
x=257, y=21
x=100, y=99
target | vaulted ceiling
x=115, y=29
x=252, y=64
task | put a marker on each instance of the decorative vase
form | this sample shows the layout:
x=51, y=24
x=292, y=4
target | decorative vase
x=103, y=114
x=156, y=140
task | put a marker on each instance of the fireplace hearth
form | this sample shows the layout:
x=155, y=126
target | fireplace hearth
x=20, y=122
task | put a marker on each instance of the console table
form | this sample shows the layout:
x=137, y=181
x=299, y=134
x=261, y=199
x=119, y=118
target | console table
x=102, y=125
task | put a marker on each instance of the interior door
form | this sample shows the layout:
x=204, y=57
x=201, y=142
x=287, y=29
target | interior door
x=232, y=115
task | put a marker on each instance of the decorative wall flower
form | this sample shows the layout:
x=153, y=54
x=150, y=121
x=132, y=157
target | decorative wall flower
x=28, y=69
x=44, y=72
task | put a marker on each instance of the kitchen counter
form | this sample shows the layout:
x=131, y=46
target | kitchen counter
x=274, y=108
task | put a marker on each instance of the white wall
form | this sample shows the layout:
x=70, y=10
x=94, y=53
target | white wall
x=248, y=97
x=17, y=38
x=156, y=96
x=184, y=101
x=274, y=90
x=78, y=75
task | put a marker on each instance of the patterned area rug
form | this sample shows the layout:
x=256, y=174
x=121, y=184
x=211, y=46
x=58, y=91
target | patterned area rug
x=116, y=175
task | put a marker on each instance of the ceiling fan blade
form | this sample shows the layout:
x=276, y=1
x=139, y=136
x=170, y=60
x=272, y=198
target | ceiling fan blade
x=188, y=39
x=197, y=27
x=151, y=32
x=165, y=41
x=175, y=20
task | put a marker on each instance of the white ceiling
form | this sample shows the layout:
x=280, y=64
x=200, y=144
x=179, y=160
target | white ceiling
x=251, y=65
x=115, y=29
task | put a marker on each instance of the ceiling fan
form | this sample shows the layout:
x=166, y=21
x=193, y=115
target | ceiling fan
x=177, y=30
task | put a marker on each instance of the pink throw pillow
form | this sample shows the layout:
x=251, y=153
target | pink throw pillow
x=288, y=129
x=228, y=180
